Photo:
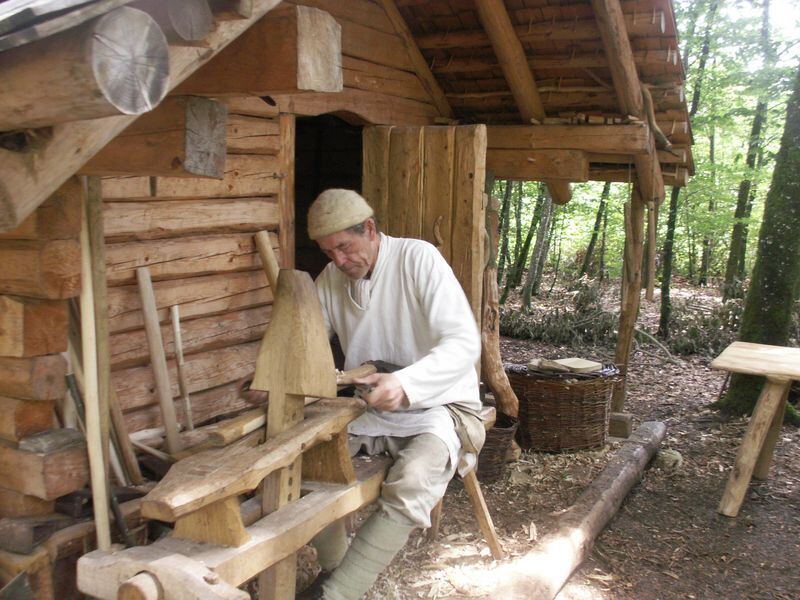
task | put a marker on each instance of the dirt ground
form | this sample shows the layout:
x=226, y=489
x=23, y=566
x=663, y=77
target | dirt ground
x=667, y=541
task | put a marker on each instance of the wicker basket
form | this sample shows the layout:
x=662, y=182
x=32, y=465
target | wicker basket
x=558, y=414
x=492, y=459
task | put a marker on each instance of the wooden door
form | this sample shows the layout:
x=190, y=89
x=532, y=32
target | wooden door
x=428, y=183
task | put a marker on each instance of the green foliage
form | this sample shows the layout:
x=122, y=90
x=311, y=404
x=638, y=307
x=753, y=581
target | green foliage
x=699, y=330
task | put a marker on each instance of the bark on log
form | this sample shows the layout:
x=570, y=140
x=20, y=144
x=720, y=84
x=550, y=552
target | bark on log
x=116, y=64
x=541, y=573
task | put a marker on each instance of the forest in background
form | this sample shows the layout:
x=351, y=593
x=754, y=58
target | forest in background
x=741, y=59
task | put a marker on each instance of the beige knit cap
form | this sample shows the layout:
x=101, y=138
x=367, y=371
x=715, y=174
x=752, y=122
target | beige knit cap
x=335, y=210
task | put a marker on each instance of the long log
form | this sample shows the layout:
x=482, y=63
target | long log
x=293, y=49
x=115, y=64
x=184, y=22
x=567, y=165
x=32, y=327
x=40, y=269
x=183, y=137
x=14, y=504
x=58, y=218
x=541, y=573
x=37, y=378
x=612, y=139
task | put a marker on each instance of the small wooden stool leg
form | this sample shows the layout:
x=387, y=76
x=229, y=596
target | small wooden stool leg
x=482, y=514
x=761, y=422
x=761, y=470
x=436, y=521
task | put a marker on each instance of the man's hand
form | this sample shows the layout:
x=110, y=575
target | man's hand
x=386, y=392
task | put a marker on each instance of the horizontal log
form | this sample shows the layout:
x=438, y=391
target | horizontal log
x=360, y=107
x=678, y=177
x=245, y=175
x=127, y=187
x=251, y=106
x=206, y=405
x=31, y=327
x=368, y=76
x=40, y=269
x=183, y=136
x=366, y=43
x=225, y=10
x=293, y=49
x=183, y=257
x=538, y=165
x=38, y=378
x=252, y=135
x=24, y=417
x=567, y=30
x=616, y=139
x=213, y=475
x=196, y=297
x=14, y=504
x=115, y=64
x=129, y=349
x=58, y=218
x=361, y=12
x=184, y=22
x=161, y=218
x=136, y=386
x=44, y=475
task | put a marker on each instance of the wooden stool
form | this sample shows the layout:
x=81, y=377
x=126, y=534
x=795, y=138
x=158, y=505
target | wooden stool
x=780, y=366
x=476, y=499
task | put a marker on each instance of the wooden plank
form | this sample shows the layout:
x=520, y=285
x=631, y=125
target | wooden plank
x=468, y=212
x=213, y=475
x=375, y=170
x=538, y=165
x=769, y=401
x=44, y=475
x=14, y=504
x=183, y=257
x=136, y=386
x=159, y=219
x=58, y=218
x=286, y=196
x=437, y=194
x=611, y=139
x=252, y=135
x=759, y=359
x=115, y=64
x=24, y=417
x=405, y=182
x=31, y=327
x=72, y=144
x=128, y=349
x=245, y=175
x=293, y=49
x=37, y=378
x=40, y=269
x=251, y=106
x=197, y=296
x=183, y=136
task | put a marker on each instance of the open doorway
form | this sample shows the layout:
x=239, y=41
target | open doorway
x=328, y=154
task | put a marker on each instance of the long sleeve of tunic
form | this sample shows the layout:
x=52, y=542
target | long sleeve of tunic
x=411, y=312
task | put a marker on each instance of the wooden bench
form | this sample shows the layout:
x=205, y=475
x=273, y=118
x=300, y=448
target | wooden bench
x=780, y=366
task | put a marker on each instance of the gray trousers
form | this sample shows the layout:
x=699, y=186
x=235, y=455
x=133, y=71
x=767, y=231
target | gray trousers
x=417, y=479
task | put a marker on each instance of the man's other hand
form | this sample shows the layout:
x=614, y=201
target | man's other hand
x=386, y=392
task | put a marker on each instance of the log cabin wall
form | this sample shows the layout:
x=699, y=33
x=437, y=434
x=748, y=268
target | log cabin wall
x=196, y=236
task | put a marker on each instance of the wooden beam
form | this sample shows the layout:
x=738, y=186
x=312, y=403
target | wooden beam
x=24, y=417
x=538, y=165
x=614, y=32
x=31, y=327
x=115, y=64
x=58, y=218
x=183, y=137
x=40, y=269
x=420, y=64
x=294, y=49
x=72, y=144
x=184, y=22
x=14, y=504
x=37, y=378
x=677, y=177
x=612, y=139
x=46, y=475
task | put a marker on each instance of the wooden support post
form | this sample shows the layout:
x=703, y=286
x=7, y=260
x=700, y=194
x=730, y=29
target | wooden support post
x=115, y=64
x=182, y=137
x=631, y=291
x=286, y=164
x=94, y=437
x=761, y=469
x=482, y=514
x=158, y=359
x=652, y=240
x=183, y=385
x=754, y=447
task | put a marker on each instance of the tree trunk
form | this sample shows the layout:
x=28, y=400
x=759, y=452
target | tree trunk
x=559, y=244
x=598, y=220
x=776, y=274
x=666, y=275
x=602, y=261
x=514, y=276
x=705, y=259
x=551, y=231
x=538, y=251
x=504, y=214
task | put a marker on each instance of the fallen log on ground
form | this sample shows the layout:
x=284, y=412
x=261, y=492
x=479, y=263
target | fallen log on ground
x=540, y=574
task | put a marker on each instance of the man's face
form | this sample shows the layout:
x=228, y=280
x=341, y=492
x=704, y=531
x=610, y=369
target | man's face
x=353, y=254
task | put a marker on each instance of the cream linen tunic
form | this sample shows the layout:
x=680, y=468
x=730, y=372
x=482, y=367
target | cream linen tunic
x=411, y=312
